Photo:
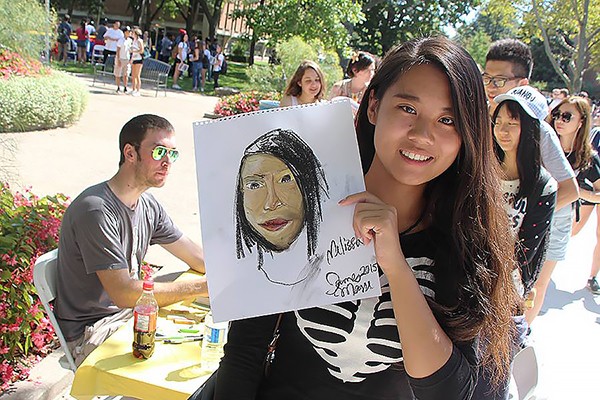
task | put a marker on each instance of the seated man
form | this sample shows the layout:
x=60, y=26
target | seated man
x=105, y=234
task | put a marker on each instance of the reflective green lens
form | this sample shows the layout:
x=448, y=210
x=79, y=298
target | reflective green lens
x=159, y=152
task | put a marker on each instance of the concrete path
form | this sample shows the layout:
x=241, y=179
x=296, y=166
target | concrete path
x=68, y=160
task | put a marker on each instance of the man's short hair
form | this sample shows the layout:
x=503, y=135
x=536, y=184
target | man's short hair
x=134, y=131
x=515, y=52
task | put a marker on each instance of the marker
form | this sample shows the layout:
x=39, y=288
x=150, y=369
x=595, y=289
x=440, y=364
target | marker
x=178, y=338
x=188, y=330
x=183, y=340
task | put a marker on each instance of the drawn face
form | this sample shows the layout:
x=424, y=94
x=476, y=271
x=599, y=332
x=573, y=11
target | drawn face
x=273, y=202
x=310, y=83
x=507, y=130
x=415, y=135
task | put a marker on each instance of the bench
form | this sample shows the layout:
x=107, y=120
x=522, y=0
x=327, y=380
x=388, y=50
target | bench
x=156, y=72
x=153, y=71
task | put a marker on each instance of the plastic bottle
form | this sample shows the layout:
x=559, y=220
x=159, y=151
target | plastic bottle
x=145, y=315
x=215, y=336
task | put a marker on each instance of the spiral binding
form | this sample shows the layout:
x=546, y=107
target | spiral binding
x=271, y=110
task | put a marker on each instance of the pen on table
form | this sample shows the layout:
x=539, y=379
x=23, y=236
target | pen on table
x=178, y=340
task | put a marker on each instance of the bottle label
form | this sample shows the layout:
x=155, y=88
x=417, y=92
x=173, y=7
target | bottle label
x=214, y=335
x=144, y=322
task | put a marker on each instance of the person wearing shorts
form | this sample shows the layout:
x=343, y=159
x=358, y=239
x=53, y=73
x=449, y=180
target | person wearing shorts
x=122, y=66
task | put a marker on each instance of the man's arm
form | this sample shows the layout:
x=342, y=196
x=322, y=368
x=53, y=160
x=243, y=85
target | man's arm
x=125, y=291
x=187, y=251
x=568, y=192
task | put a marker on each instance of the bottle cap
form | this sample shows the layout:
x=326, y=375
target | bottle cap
x=148, y=285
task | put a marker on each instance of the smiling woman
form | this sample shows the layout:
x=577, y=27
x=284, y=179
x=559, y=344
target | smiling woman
x=279, y=189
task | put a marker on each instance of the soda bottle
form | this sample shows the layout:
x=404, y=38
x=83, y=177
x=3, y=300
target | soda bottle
x=145, y=314
x=215, y=336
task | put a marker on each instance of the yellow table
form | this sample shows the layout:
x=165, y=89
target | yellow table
x=173, y=372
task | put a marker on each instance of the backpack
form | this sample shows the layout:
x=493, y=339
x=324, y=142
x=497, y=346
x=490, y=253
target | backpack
x=63, y=35
x=224, y=66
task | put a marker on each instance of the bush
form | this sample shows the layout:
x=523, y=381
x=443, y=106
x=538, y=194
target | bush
x=269, y=78
x=242, y=103
x=293, y=51
x=24, y=24
x=28, y=228
x=42, y=102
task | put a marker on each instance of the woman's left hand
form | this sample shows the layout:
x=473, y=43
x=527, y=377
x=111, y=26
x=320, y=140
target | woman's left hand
x=377, y=221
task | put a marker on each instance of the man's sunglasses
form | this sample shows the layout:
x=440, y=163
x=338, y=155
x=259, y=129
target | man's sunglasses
x=565, y=116
x=160, y=151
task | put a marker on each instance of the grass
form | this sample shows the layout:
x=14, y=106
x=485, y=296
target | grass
x=236, y=76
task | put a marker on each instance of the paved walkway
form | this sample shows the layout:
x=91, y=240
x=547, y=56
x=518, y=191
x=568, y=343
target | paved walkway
x=69, y=160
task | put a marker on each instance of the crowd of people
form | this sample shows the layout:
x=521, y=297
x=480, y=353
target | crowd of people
x=474, y=184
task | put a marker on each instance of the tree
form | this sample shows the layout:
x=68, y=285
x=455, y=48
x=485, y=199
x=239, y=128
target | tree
x=389, y=22
x=279, y=20
x=212, y=10
x=575, y=26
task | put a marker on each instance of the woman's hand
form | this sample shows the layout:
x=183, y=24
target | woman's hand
x=374, y=220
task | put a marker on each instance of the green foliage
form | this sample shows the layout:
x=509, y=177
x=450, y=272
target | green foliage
x=498, y=19
x=279, y=20
x=293, y=51
x=46, y=101
x=477, y=45
x=240, y=47
x=243, y=102
x=28, y=228
x=23, y=26
x=390, y=22
x=269, y=77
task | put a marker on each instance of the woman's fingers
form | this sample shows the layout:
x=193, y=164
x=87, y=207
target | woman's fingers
x=361, y=197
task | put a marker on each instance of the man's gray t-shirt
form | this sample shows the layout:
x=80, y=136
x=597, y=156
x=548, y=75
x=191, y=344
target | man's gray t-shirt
x=553, y=156
x=99, y=232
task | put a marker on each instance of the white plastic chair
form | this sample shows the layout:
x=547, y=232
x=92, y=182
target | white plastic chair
x=98, y=53
x=525, y=372
x=44, y=278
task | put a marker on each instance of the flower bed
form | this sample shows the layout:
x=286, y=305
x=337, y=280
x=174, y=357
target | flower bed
x=28, y=228
x=243, y=102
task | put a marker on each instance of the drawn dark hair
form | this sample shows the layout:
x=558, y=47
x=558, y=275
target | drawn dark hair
x=308, y=173
x=464, y=203
x=515, y=52
x=529, y=159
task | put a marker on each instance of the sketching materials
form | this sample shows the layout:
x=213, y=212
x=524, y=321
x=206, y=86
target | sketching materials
x=189, y=330
x=169, y=339
x=183, y=340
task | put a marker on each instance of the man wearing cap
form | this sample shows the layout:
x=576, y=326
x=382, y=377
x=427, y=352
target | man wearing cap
x=111, y=38
x=105, y=234
x=508, y=65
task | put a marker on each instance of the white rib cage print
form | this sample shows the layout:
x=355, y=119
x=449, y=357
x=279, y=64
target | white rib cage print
x=364, y=339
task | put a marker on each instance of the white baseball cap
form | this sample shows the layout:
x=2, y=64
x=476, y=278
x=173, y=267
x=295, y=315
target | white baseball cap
x=533, y=102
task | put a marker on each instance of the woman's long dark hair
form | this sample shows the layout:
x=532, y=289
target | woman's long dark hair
x=308, y=173
x=529, y=159
x=464, y=203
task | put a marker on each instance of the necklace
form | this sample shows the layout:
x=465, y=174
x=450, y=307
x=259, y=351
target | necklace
x=413, y=226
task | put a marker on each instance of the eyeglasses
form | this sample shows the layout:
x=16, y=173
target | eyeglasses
x=160, y=151
x=497, y=81
x=565, y=116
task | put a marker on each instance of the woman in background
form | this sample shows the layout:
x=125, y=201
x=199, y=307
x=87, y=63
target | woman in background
x=137, y=61
x=306, y=86
x=360, y=70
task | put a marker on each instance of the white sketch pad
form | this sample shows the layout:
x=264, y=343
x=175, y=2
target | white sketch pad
x=238, y=288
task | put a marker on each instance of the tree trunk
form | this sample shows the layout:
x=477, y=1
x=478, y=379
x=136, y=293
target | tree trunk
x=252, y=50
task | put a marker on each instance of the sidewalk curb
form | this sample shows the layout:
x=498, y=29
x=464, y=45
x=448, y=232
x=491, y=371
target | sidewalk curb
x=47, y=380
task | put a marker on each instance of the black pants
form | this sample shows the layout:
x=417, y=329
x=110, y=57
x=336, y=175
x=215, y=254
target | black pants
x=216, y=78
x=107, y=53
